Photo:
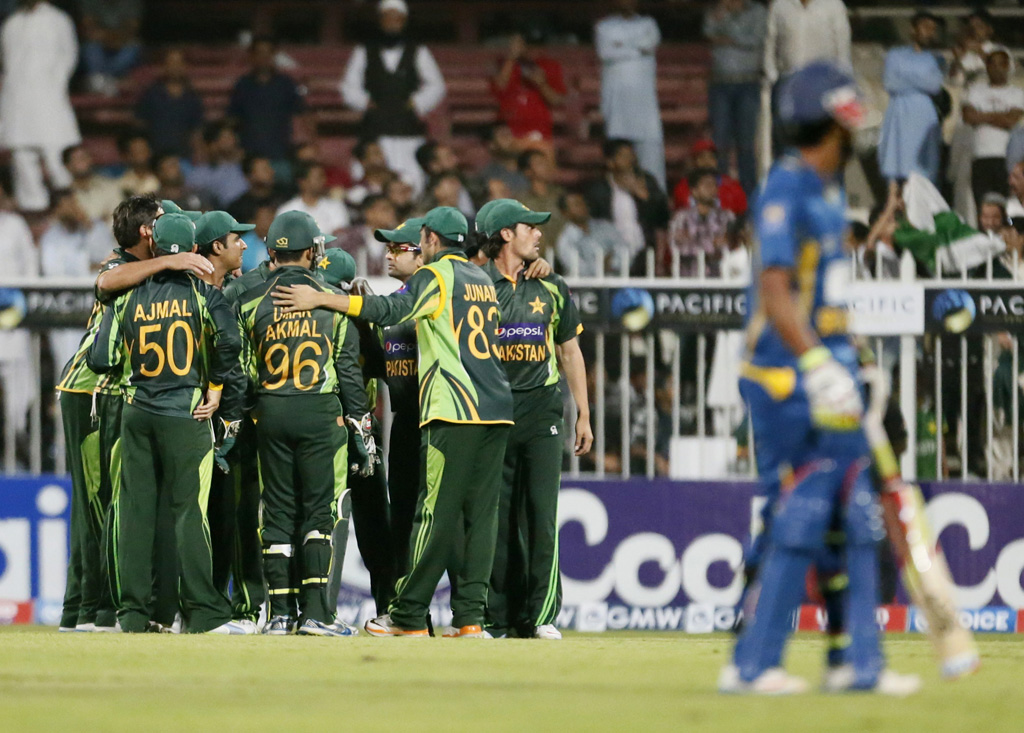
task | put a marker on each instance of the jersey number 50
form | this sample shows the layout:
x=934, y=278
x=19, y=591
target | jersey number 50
x=291, y=365
x=149, y=340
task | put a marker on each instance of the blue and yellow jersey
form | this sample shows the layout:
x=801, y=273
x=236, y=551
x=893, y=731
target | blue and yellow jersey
x=799, y=223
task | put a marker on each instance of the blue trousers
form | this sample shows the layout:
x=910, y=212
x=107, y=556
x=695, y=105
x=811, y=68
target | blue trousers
x=734, y=109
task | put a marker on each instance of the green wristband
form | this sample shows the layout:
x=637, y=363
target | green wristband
x=813, y=357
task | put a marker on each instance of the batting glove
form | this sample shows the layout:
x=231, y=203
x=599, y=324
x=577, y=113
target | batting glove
x=365, y=444
x=835, y=400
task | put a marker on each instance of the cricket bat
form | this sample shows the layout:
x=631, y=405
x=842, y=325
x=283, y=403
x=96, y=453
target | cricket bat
x=922, y=565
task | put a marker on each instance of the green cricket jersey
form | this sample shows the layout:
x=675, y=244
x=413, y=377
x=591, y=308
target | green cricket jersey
x=175, y=336
x=453, y=302
x=536, y=315
x=309, y=352
x=77, y=376
x=234, y=288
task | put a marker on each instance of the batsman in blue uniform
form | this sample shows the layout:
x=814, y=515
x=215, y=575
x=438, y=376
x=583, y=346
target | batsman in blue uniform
x=805, y=405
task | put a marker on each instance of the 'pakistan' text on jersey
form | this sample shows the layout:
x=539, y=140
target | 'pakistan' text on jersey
x=536, y=315
x=402, y=367
x=76, y=375
x=456, y=310
x=308, y=352
x=176, y=336
x=800, y=222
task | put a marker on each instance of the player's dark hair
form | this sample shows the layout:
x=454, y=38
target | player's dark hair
x=132, y=213
x=491, y=246
x=612, y=146
x=287, y=256
x=472, y=249
x=698, y=174
x=445, y=242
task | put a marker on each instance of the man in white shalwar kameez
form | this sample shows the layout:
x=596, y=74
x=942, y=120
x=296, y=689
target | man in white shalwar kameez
x=626, y=44
x=39, y=51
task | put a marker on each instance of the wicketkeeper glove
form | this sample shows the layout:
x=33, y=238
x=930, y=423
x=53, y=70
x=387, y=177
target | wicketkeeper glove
x=831, y=390
x=228, y=432
x=364, y=443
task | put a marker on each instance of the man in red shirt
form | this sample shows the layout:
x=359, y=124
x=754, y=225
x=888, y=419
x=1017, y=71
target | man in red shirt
x=703, y=154
x=527, y=86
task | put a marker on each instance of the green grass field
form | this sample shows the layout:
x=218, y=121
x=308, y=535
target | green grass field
x=630, y=681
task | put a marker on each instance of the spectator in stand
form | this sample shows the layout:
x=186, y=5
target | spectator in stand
x=137, y=156
x=97, y=195
x=1010, y=264
x=736, y=29
x=435, y=159
x=221, y=178
x=992, y=213
x=338, y=179
x=256, y=239
x=587, y=247
x=444, y=189
x=703, y=154
x=631, y=199
x=975, y=44
x=799, y=32
x=73, y=245
x=876, y=255
x=38, y=51
x=330, y=214
x=170, y=110
x=395, y=84
x=375, y=172
x=400, y=194
x=260, y=190
x=172, y=184
x=17, y=374
x=1015, y=201
x=626, y=44
x=111, y=49
x=505, y=150
x=911, y=135
x=701, y=228
x=993, y=107
x=528, y=86
x=543, y=194
x=1015, y=148
x=265, y=103
x=358, y=240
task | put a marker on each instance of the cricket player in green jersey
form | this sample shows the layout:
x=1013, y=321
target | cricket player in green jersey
x=539, y=329
x=233, y=511
x=301, y=364
x=91, y=416
x=465, y=413
x=177, y=342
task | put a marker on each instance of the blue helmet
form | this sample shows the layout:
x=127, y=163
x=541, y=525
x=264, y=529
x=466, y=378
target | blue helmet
x=819, y=92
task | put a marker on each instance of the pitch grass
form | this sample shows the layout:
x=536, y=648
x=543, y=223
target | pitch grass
x=631, y=681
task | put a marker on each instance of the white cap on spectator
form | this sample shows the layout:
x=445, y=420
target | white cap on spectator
x=398, y=5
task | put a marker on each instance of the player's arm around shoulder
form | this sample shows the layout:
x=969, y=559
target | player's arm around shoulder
x=105, y=353
x=424, y=296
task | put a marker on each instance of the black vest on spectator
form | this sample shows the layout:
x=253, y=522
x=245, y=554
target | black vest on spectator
x=390, y=94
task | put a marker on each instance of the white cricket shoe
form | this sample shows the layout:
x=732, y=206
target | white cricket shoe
x=88, y=628
x=547, y=631
x=235, y=628
x=774, y=681
x=841, y=679
x=383, y=626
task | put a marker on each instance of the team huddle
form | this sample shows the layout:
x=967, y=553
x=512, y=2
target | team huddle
x=221, y=430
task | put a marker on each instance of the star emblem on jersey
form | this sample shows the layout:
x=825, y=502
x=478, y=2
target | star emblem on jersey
x=538, y=305
x=324, y=263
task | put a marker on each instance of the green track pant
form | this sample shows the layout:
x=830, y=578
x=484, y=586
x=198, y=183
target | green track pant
x=405, y=471
x=526, y=588
x=371, y=516
x=462, y=479
x=81, y=445
x=168, y=458
x=234, y=527
x=303, y=454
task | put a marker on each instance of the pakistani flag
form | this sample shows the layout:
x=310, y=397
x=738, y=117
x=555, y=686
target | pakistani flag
x=937, y=237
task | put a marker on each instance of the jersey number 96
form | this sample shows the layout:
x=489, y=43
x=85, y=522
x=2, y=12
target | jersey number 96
x=281, y=363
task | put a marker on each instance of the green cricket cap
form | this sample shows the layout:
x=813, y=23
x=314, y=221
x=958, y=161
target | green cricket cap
x=174, y=233
x=448, y=222
x=408, y=232
x=214, y=225
x=485, y=211
x=507, y=213
x=337, y=266
x=295, y=231
x=170, y=207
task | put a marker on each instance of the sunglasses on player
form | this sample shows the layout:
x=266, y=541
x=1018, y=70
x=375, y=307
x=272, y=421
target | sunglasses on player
x=397, y=249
